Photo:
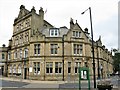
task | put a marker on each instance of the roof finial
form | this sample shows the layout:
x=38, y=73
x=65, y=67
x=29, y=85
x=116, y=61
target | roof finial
x=76, y=21
x=33, y=9
x=100, y=37
x=22, y=6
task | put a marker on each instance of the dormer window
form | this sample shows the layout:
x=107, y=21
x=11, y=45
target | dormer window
x=76, y=34
x=54, y=32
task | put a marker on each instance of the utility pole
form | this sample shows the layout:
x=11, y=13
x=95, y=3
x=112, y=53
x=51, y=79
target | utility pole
x=94, y=75
x=98, y=61
x=63, y=55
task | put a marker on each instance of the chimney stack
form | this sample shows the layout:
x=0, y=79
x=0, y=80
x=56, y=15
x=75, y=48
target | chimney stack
x=71, y=23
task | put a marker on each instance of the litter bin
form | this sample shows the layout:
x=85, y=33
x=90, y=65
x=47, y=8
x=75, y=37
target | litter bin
x=104, y=87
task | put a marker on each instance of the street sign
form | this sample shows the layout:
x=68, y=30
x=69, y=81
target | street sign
x=84, y=75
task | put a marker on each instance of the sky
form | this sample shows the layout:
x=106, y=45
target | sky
x=58, y=13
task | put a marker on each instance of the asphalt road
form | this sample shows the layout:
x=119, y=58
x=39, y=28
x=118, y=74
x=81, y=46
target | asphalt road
x=17, y=84
x=6, y=83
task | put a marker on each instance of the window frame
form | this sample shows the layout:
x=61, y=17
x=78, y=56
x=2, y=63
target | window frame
x=37, y=49
x=54, y=49
x=78, y=49
x=49, y=67
x=58, y=67
x=9, y=55
x=76, y=34
x=25, y=52
x=36, y=68
x=19, y=69
x=77, y=65
x=69, y=67
x=54, y=32
x=3, y=56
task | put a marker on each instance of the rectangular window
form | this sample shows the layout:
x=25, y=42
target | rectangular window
x=76, y=34
x=14, y=69
x=9, y=56
x=77, y=65
x=69, y=67
x=25, y=53
x=80, y=49
x=10, y=69
x=36, y=49
x=54, y=48
x=49, y=67
x=58, y=67
x=19, y=69
x=36, y=68
x=77, y=48
x=15, y=54
x=3, y=56
x=54, y=32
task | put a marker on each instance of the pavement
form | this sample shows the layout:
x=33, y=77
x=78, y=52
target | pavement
x=32, y=81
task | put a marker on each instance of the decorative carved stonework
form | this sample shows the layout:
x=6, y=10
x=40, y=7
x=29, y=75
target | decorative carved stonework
x=22, y=11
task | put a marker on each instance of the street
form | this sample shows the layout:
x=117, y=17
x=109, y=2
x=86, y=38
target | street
x=17, y=84
x=57, y=85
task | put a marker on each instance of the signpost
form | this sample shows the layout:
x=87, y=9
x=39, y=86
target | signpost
x=84, y=75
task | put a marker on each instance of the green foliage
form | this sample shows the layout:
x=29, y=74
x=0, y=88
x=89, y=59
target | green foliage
x=116, y=62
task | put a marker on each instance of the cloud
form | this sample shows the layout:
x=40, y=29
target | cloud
x=109, y=31
x=59, y=13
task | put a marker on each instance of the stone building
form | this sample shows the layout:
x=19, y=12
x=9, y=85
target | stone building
x=3, y=60
x=38, y=50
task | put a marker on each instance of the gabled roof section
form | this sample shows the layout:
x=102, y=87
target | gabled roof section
x=76, y=26
x=47, y=23
x=22, y=11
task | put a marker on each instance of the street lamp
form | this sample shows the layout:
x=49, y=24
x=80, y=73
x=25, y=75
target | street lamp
x=63, y=55
x=98, y=63
x=92, y=45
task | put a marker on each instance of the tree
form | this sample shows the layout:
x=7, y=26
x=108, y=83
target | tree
x=116, y=62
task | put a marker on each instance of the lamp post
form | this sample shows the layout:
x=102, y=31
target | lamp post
x=92, y=45
x=63, y=55
x=98, y=63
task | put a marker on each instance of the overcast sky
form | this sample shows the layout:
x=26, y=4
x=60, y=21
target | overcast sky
x=59, y=12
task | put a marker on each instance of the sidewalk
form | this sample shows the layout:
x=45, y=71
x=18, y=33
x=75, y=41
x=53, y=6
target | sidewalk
x=37, y=81
x=32, y=81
